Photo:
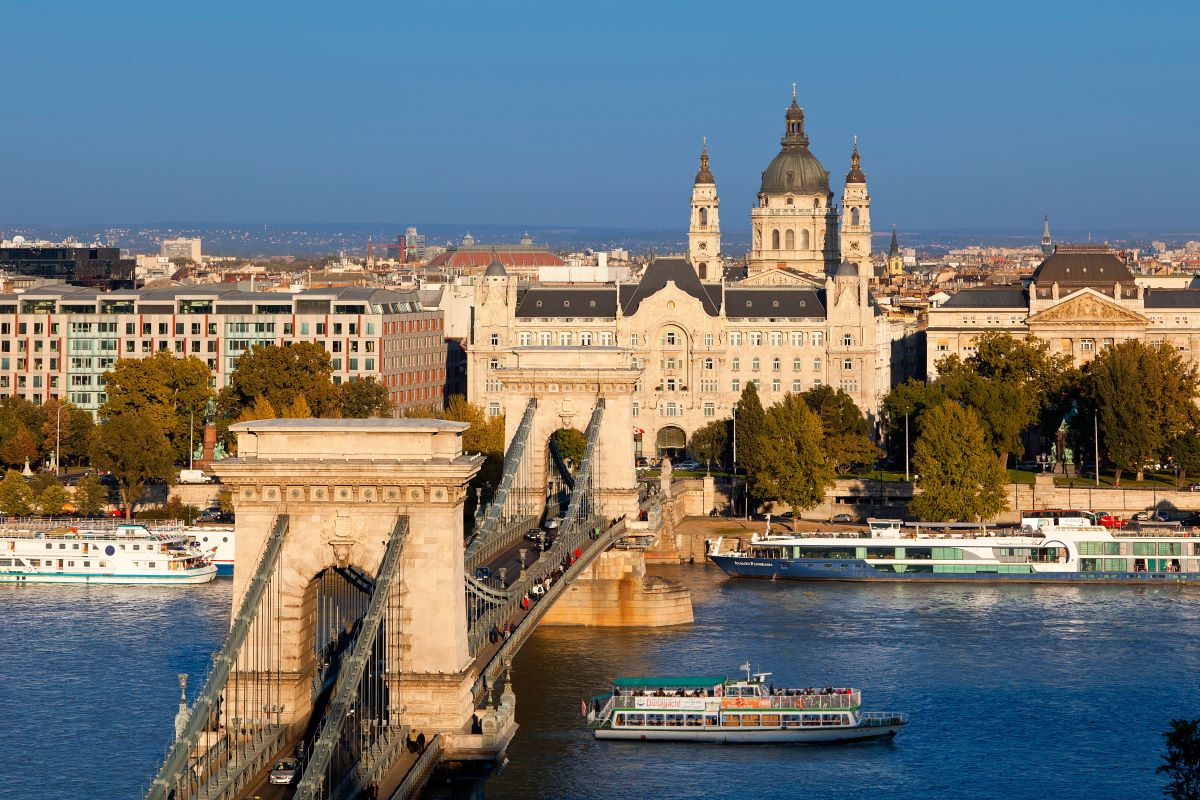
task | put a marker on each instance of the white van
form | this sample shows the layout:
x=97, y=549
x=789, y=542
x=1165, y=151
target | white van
x=193, y=476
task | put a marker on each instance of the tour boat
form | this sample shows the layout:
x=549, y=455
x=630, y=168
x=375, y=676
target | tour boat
x=98, y=551
x=710, y=708
x=1055, y=546
x=218, y=543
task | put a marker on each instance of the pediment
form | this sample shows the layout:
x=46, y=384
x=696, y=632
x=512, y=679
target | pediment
x=1087, y=307
x=782, y=277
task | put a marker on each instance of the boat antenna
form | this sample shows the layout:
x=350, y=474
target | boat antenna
x=746, y=666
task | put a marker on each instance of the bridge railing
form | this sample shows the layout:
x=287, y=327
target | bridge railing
x=514, y=461
x=415, y=780
x=234, y=728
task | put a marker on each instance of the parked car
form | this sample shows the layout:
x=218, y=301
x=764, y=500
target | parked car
x=842, y=518
x=1195, y=487
x=284, y=772
x=688, y=465
x=1192, y=522
x=117, y=513
x=1109, y=521
x=209, y=515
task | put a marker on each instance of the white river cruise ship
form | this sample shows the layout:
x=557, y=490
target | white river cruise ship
x=100, y=551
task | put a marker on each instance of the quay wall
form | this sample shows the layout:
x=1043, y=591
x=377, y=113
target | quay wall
x=615, y=591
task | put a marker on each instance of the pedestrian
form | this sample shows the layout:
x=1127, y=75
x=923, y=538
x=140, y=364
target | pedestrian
x=411, y=741
x=578, y=552
x=421, y=742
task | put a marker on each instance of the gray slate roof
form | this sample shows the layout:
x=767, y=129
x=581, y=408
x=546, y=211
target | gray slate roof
x=1172, y=298
x=989, y=297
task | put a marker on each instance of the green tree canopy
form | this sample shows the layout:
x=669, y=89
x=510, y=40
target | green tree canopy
x=134, y=449
x=71, y=429
x=960, y=479
x=1145, y=398
x=279, y=374
x=172, y=391
x=297, y=409
x=22, y=447
x=1181, y=764
x=908, y=399
x=91, y=496
x=16, y=415
x=51, y=499
x=16, y=498
x=749, y=444
x=571, y=444
x=794, y=468
x=710, y=444
x=485, y=435
x=846, y=433
x=1184, y=453
x=362, y=398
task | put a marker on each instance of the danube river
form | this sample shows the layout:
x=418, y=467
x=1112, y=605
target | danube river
x=1016, y=692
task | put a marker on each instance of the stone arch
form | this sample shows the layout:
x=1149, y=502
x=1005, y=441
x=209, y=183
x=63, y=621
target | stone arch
x=854, y=216
x=671, y=441
x=804, y=240
x=702, y=269
x=775, y=240
x=703, y=216
x=789, y=240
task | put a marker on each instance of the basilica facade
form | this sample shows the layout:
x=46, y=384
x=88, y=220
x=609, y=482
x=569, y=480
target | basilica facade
x=802, y=316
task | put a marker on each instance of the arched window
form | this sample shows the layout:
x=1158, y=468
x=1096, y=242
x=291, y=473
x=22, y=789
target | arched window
x=702, y=268
x=708, y=363
x=774, y=240
x=494, y=340
x=847, y=340
x=789, y=239
x=735, y=364
x=775, y=364
x=755, y=364
x=803, y=240
x=854, y=216
x=585, y=338
x=494, y=364
x=703, y=217
x=789, y=201
x=796, y=365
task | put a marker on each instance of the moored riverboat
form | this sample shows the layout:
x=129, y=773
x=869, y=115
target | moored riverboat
x=1048, y=547
x=713, y=709
x=98, y=551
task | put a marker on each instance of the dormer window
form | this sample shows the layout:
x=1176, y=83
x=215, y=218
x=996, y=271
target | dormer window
x=566, y=303
x=592, y=303
x=749, y=304
x=774, y=304
x=539, y=303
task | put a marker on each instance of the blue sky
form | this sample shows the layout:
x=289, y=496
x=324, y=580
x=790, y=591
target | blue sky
x=969, y=115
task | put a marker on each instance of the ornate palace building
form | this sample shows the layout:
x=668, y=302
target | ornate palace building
x=802, y=317
x=1080, y=299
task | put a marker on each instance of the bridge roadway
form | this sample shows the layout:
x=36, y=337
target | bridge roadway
x=261, y=789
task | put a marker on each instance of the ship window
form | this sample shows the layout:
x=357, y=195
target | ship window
x=49, y=547
x=62, y=547
x=87, y=563
x=750, y=720
x=70, y=563
x=137, y=547
x=75, y=546
x=5, y=562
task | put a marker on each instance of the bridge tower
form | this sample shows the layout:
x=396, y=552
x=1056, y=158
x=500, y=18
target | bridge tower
x=566, y=383
x=343, y=484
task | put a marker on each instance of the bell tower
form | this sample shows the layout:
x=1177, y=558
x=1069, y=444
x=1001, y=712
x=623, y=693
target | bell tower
x=704, y=234
x=856, y=216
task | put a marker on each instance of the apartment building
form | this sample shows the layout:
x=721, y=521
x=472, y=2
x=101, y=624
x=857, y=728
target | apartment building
x=59, y=340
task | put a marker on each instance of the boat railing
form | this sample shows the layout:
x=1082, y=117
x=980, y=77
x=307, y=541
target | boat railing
x=818, y=701
x=76, y=527
x=877, y=719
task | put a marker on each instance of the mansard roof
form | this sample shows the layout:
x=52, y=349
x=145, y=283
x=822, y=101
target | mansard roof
x=664, y=270
x=774, y=301
x=1172, y=298
x=989, y=297
x=1082, y=265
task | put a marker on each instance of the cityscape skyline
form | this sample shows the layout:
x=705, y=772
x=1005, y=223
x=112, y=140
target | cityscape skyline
x=332, y=124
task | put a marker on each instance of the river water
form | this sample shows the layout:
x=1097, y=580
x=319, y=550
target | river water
x=1013, y=691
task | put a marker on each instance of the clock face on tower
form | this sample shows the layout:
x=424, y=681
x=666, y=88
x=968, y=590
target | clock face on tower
x=704, y=245
x=854, y=245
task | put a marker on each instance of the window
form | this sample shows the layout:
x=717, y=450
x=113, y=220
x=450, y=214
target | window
x=708, y=385
x=672, y=410
x=710, y=409
x=545, y=338
x=774, y=240
x=523, y=338
x=755, y=339
x=670, y=338
x=585, y=338
x=494, y=363
x=708, y=340
x=818, y=339
x=606, y=338
x=847, y=364
x=633, y=340
x=735, y=339
x=494, y=340
x=564, y=339
x=775, y=386
x=797, y=386
x=736, y=386
x=849, y=386
x=776, y=338
x=493, y=409
x=847, y=340
x=816, y=365
x=637, y=409
x=708, y=363
x=796, y=365
x=755, y=364
x=1087, y=345
x=776, y=364
x=735, y=364
x=804, y=238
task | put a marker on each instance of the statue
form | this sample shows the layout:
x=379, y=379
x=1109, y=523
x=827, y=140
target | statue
x=210, y=411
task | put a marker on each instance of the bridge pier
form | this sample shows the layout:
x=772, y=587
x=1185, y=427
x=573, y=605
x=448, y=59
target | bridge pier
x=615, y=591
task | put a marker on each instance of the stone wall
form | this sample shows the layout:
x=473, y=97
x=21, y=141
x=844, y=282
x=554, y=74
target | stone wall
x=616, y=591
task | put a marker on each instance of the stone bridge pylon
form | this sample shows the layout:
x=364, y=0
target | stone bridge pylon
x=343, y=484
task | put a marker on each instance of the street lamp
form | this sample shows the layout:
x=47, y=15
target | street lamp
x=191, y=437
x=57, y=435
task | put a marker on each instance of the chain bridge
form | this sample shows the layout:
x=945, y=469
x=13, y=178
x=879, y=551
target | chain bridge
x=368, y=643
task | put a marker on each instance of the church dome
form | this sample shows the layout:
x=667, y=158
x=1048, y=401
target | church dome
x=795, y=169
x=495, y=269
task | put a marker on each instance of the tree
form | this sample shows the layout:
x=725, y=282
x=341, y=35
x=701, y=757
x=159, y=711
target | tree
x=50, y=500
x=710, y=444
x=297, y=409
x=570, y=443
x=905, y=404
x=794, y=469
x=91, y=496
x=279, y=374
x=1182, y=761
x=70, y=431
x=262, y=409
x=1184, y=453
x=363, y=398
x=959, y=477
x=172, y=391
x=16, y=415
x=749, y=424
x=134, y=449
x=485, y=435
x=20, y=448
x=1144, y=396
x=16, y=498
x=846, y=439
